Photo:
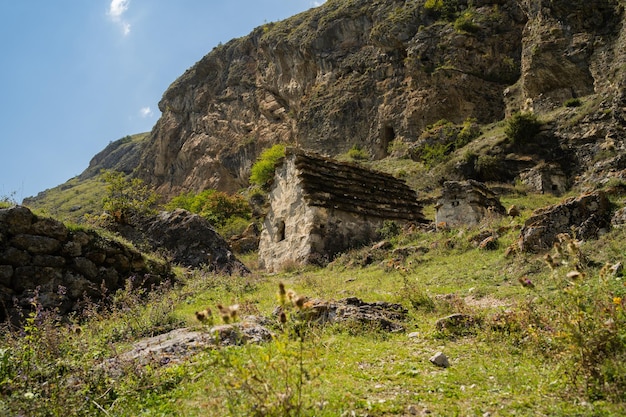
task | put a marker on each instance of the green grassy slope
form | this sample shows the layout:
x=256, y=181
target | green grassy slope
x=83, y=194
x=539, y=351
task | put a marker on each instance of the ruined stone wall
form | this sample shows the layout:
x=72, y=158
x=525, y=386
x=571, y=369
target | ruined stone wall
x=286, y=228
x=320, y=207
x=41, y=256
x=466, y=203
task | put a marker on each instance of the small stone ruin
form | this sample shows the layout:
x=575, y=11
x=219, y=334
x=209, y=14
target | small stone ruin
x=320, y=207
x=40, y=257
x=545, y=178
x=466, y=203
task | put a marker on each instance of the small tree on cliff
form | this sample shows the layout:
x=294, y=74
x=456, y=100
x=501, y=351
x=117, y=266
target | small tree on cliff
x=126, y=196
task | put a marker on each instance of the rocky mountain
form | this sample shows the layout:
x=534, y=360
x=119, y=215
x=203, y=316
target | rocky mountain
x=378, y=74
x=369, y=73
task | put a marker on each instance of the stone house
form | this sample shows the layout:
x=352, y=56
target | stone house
x=320, y=207
x=466, y=203
x=545, y=178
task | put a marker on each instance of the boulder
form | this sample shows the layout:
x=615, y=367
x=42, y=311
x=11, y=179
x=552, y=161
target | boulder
x=457, y=323
x=248, y=241
x=381, y=315
x=586, y=216
x=178, y=344
x=440, y=359
x=186, y=238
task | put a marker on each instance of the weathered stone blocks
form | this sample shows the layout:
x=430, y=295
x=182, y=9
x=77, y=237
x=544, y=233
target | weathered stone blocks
x=41, y=256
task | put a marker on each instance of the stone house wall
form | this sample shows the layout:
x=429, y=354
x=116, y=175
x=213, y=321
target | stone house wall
x=320, y=207
x=466, y=203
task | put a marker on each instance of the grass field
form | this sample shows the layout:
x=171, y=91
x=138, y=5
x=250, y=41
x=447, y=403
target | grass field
x=556, y=349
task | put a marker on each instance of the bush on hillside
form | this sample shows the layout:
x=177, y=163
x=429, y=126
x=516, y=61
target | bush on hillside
x=522, y=127
x=358, y=154
x=126, y=197
x=217, y=207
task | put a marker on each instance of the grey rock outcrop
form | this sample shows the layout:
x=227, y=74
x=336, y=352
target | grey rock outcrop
x=186, y=239
x=587, y=215
x=41, y=257
x=178, y=344
x=361, y=78
x=378, y=315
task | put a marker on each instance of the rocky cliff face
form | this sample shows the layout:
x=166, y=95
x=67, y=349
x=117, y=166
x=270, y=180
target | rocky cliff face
x=373, y=72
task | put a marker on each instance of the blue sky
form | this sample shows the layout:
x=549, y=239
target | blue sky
x=78, y=74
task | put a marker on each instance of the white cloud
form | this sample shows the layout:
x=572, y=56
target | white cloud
x=318, y=3
x=145, y=112
x=117, y=8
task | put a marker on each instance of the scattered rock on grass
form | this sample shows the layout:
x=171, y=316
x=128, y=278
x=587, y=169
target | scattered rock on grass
x=440, y=359
x=457, y=323
x=381, y=315
x=180, y=343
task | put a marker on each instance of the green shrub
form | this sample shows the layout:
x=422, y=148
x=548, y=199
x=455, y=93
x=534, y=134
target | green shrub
x=358, y=154
x=445, y=9
x=233, y=226
x=389, y=229
x=433, y=154
x=216, y=206
x=262, y=172
x=572, y=102
x=126, y=197
x=487, y=167
x=468, y=133
x=584, y=321
x=522, y=127
x=465, y=22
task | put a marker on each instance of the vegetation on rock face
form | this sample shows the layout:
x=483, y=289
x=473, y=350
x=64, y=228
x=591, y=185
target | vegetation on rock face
x=230, y=213
x=521, y=128
x=262, y=172
x=442, y=138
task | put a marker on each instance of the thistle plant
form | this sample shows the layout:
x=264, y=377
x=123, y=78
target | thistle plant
x=274, y=380
x=587, y=321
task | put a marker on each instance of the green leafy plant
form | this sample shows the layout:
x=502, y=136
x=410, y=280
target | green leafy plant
x=262, y=172
x=468, y=133
x=275, y=380
x=126, y=197
x=488, y=167
x=587, y=321
x=522, y=127
x=220, y=208
x=356, y=153
x=572, y=102
x=389, y=229
x=446, y=9
x=466, y=22
x=433, y=154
